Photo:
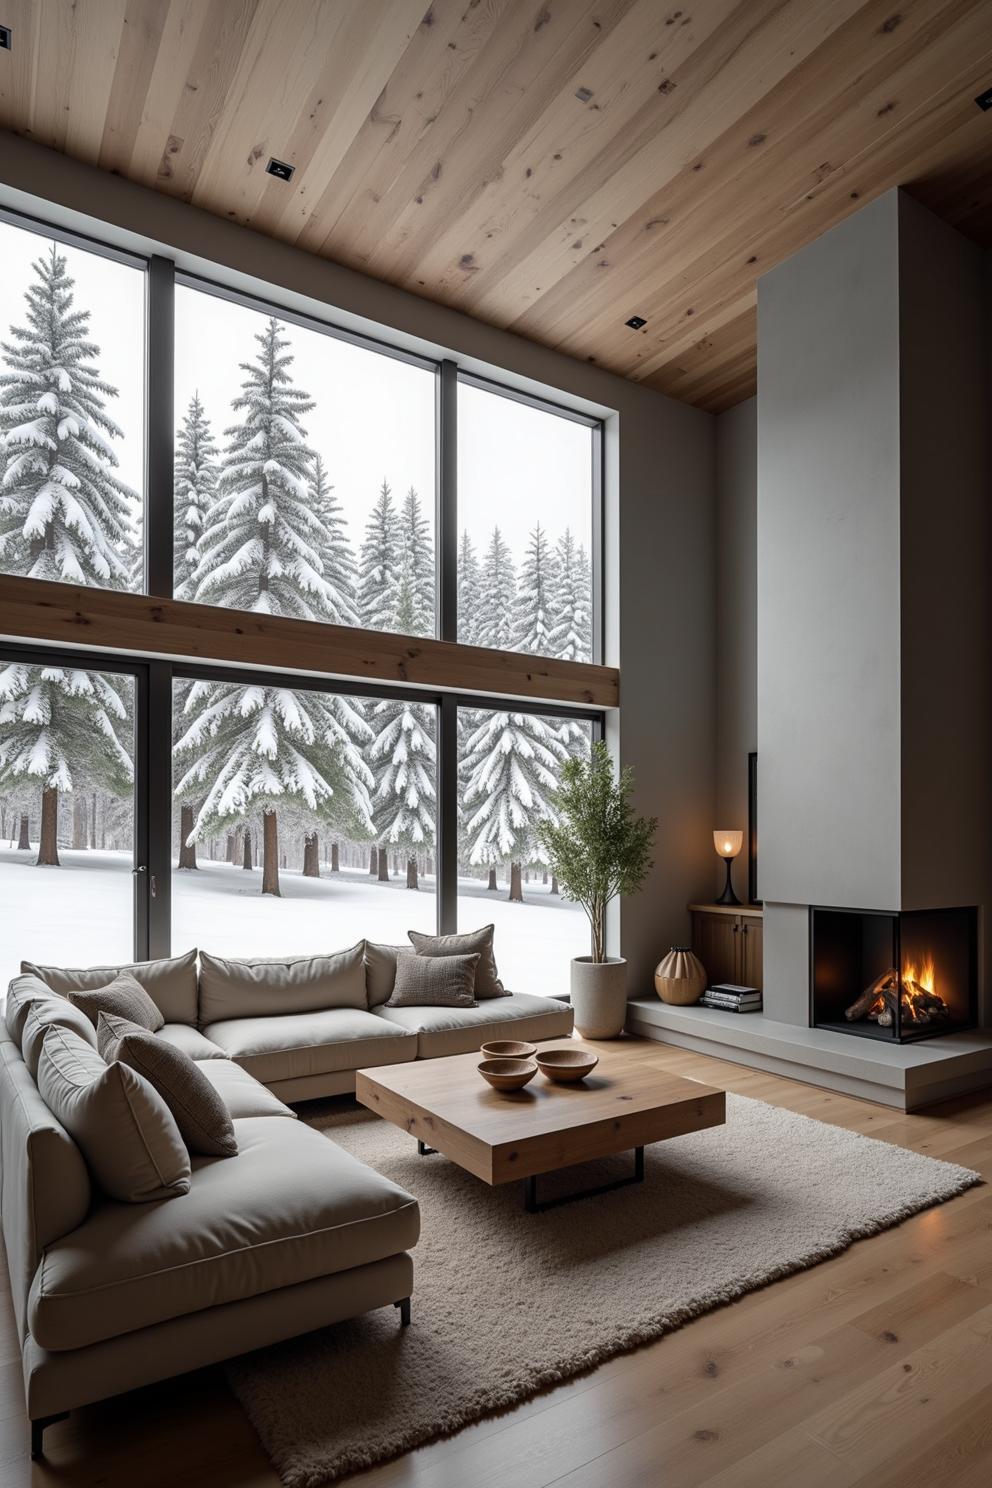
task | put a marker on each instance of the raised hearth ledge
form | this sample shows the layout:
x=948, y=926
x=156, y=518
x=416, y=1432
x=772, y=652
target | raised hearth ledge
x=906, y=1076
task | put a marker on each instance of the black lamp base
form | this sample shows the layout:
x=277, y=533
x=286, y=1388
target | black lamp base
x=728, y=896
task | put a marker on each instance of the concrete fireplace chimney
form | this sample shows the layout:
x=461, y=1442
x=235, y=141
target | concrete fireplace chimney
x=874, y=740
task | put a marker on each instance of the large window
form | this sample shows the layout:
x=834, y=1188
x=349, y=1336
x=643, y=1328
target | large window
x=67, y=823
x=303, y=819
x=304, y=471
x=509, y=766
x=296, y=469
x=72, y=443
x=526, y=551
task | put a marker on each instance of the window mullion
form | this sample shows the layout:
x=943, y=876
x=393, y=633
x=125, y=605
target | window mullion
x=159, y=426
x=447, y=501
x=447, y=816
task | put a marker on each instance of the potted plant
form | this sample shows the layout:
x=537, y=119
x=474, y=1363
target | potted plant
x=599, y=849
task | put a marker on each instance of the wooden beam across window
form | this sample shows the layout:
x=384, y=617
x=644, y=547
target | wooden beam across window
x=141, y=625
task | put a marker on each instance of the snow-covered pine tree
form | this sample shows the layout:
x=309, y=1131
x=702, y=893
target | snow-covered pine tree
x=571, y=620
x=254, y=749
x=64, y=513
x=404, y=750
x=378, y=565
x=537, y=585
x=469, y=603
x=511, y=767
x=405, y=757
x=340, y=570
x=263, y=545
x=497, y=595
x=194, y=493
x=62, y=729
x=415, y=584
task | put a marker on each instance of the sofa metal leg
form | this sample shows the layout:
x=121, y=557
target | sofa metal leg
x=38, y=1429
x=404, y=1307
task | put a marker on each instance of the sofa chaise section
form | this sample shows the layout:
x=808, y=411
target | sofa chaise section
x=448, y=1030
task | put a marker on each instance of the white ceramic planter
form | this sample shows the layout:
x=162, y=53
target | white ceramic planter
x=599, y=996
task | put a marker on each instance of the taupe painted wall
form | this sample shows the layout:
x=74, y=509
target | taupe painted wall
x=737, y=620
x=661, y=477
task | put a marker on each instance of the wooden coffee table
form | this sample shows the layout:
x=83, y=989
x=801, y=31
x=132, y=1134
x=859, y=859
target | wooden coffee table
x=629, y=1100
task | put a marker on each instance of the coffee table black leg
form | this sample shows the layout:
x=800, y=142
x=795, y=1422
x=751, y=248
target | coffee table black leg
x=534, y=1205
x=424, y=1150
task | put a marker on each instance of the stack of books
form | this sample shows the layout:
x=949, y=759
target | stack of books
x=730, y=998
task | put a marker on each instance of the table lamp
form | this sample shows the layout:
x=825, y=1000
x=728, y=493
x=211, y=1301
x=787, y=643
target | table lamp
x=728, y=845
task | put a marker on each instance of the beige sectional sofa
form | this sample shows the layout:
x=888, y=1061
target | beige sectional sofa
x=289, y=1235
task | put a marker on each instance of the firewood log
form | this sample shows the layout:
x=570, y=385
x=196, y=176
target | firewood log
x=862, y=1007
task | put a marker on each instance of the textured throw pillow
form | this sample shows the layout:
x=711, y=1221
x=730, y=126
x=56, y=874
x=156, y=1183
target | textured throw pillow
x=202, y=1118
x=380, y=971
x=487, y=982
x=434, y=981
x=122, y=1126
x=125, y=998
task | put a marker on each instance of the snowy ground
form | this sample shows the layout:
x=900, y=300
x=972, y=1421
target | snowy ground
x=80, y=914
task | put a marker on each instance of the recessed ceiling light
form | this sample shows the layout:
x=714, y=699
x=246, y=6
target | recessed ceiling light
x=635, y=322
x=280, y=170
x=6, y=42
x=984, y=100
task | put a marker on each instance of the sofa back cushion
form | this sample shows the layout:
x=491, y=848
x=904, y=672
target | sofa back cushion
x=44, y=1182
x=170, y=983
x=122, y=1126
x=23, y=992
x=267, y=987
x=41, y=1016
x=201, y=1116
x=380, y=971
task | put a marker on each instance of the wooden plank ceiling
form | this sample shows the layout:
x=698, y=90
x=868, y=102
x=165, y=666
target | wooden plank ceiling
x=551, y=166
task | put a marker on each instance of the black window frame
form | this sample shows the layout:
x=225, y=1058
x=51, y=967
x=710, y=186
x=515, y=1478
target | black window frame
x=153, y=799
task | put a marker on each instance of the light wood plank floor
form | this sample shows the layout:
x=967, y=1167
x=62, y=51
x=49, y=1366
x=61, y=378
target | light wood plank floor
x=872, y=1369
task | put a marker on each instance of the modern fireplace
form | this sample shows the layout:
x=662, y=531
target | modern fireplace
x=893, y=976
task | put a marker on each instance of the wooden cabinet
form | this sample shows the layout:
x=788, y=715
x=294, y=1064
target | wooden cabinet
x=727, y=940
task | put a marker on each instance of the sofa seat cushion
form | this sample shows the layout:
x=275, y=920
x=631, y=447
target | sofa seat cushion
x=297, y=1044
x=241, y=1093
x=290, y=1207
x=191, y=1041
x=445, y=1030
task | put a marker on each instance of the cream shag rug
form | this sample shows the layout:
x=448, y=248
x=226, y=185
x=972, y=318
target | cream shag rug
x=505, y=1303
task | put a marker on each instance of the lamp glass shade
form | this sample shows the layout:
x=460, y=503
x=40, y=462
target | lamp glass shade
x=728, y=844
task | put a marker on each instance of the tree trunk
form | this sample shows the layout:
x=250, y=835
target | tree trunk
x=247, y=861
x=230, y=847
x=544, y=876
x=428, y=866
x=554, y=883
x=93, y=821
x=374, y=861
x=48, y=847
x=187, y=849
x=270, y=854
x=24, y=841
x=335, y=858
x=411, y=874
x=311, y=855
x=492, y=884
x=78, y=824
x=516, y=887
x=383, y=865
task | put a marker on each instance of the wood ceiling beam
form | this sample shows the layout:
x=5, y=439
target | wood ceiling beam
x=141, y=625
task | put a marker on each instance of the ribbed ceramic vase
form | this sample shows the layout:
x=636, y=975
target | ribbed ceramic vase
x=599, y=996
x=680, y=978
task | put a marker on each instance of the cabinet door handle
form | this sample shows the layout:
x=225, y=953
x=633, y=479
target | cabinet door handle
x=744, y=929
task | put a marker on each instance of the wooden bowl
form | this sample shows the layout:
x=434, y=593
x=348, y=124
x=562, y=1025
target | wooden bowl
x=508, y=1049
x=507, y=1074
x=566, y=1065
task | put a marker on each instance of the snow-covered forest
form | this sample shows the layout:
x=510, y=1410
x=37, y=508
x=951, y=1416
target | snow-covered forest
x=283, y=784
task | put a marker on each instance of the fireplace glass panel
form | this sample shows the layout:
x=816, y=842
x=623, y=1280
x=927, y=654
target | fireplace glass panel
x=893, y=976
